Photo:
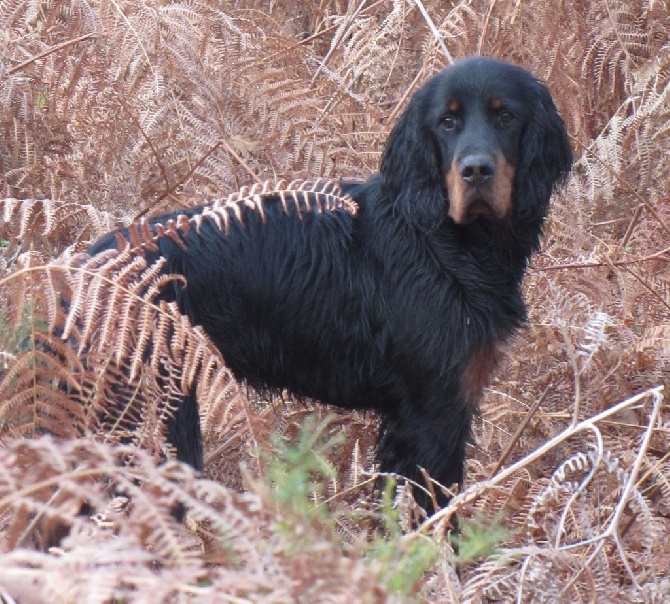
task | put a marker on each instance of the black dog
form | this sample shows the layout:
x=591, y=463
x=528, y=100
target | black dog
x=401, y=305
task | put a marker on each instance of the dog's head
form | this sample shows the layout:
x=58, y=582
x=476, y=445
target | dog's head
x=482, y=140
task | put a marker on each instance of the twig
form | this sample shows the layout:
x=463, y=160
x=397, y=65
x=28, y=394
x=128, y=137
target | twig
x=139, y=39
x=612, y=529
x=433, y=29
x=482, y=35
x=266, y=59
x=339, y=35
x=49, y=51
x=392, y=116
x=572, y=357
x=567, y=508
x=631, y=226
x=241, y=162
x=474, y=492
x=181, y=181
x=519, y=432
x=581, y=265
x=137, y=123
x=622, y=181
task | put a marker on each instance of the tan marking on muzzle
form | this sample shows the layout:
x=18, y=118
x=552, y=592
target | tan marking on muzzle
x=456, y=191
x=498, y=191
x=503, y=187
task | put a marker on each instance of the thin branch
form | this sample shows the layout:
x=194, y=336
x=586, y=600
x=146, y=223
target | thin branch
x=266, y=59
x=51, y=50
x=241, y=161
x=434, y=31
x=582, y=265
x=482, y=35
x=475, y=491
x=572, y=357
x=520, y=431
x=180, y=182
x=622, y=181
x=137, y=123
x=396, y=110
x=339, y=36
x=631, y=226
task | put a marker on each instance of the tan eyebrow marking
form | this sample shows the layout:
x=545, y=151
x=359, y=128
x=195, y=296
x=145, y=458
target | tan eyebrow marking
x=453, y=106
x=496, y=103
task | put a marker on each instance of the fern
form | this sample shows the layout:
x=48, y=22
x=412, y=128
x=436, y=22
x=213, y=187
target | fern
x=111, y=112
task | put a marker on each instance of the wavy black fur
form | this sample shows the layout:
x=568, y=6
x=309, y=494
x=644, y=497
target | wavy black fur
x=395, y=308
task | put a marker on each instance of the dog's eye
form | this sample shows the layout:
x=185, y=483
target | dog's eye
x=450, y=122
x=506, y=117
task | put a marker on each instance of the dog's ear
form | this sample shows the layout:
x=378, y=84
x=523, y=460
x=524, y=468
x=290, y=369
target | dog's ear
x=545, y=159
x=411, y=167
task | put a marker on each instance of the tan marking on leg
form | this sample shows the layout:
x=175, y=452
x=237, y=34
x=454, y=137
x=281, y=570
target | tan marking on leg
x=478, y=370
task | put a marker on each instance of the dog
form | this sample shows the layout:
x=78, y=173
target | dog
x=398, y=302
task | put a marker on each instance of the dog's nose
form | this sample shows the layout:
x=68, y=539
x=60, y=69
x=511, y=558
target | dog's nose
x=476, y=169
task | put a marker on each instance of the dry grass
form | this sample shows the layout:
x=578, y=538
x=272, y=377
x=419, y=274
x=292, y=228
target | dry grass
x=114, y=110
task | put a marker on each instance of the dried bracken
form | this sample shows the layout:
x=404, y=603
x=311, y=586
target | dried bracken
x=112, y=112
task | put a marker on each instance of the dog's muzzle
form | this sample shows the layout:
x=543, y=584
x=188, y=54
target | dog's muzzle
x=479, y=186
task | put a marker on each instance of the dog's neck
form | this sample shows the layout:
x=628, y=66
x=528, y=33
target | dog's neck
x=502, y=248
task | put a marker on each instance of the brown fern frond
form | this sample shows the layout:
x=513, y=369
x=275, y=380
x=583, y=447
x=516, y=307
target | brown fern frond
x=110, y=297
x=45, y=389
x=147, y=555
x=45, y=224
x=622, y=43
x=36, y=391
x=299, y=196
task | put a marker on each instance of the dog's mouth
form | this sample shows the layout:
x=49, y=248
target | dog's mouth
x=476, y=205
x=479, y=206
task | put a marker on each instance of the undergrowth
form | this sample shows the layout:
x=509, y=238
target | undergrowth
x=298, y=475
x=110, y=111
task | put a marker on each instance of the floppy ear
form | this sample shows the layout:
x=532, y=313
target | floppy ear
x=411, y=168
x=546, y=157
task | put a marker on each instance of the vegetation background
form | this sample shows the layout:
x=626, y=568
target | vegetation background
x=115, y=109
